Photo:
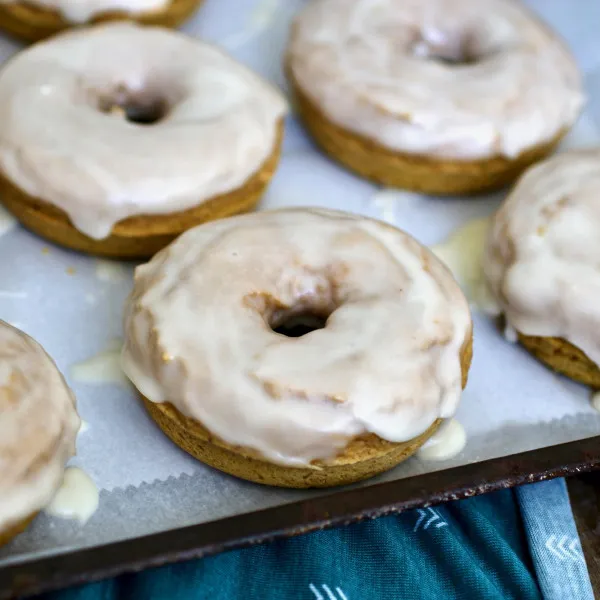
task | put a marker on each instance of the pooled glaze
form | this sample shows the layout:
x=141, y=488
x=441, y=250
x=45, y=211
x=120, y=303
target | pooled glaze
x=510, y=334
x=103, y=368
x=82, y=11
x=58, y=143
x=462, y=251
x=389, y=202
x=77, y=498
x=543, y=251
x=7, y=221
x=38, y=426
x=110, y=271
x=261, y=18
x=199, y=332
x=387, y=70
x=446, y=443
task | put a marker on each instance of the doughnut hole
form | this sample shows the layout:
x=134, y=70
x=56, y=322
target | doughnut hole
x=308, y=314
x=450, y=48
x=140, y=107
x=297, y=325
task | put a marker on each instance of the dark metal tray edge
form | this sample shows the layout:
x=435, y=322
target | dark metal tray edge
x=338, y=508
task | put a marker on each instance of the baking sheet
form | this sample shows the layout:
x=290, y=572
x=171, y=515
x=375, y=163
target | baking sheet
x=72, y=304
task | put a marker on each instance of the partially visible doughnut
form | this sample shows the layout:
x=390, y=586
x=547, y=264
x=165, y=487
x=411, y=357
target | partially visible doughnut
x=38, y=427
x=542, y=263
x=117, y=138
x=33, y=20
x=439, y=96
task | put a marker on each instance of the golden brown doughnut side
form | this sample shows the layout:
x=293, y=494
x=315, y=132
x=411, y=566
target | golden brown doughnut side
x=364, y=457
x=410, y=171
x=140, y=236
x=563, y=357
x=8, y=534
x=33, y=23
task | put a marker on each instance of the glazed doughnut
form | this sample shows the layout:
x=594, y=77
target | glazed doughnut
x=33, y=20
x=38, y=426
x=541, y=263
x=439, y=96
x=386, y=355
x=115, y=139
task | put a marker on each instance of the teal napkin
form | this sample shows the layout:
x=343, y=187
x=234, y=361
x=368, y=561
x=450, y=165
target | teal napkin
x=553, y=541
x=520, y=544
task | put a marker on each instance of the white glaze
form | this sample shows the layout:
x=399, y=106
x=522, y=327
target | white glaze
x=463, y=253
x=7, y=221
x=388, y=201
x=596, y=400
x=103, y=368
x=38, y=426
x=385, y=204
x=260, y=19
x=197, y=332
x=543, y=251
x=77, y=498
x=370, y=66
x=446, y=443
x=510, y=334
x=110, y=271
x=56, y=144
x=82, y=11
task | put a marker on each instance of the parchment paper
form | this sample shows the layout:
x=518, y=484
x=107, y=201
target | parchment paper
x=72, y=304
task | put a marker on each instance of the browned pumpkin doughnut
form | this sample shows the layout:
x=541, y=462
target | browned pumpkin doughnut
x=384, y=356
